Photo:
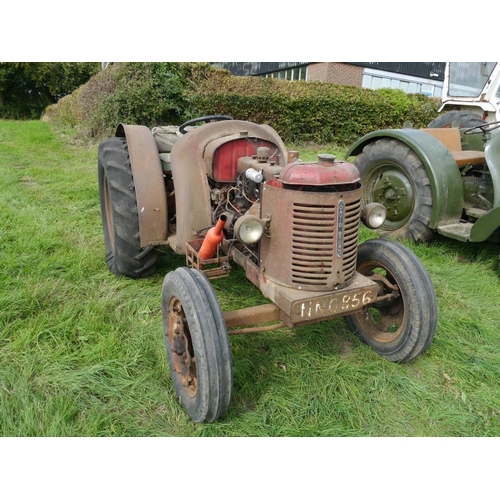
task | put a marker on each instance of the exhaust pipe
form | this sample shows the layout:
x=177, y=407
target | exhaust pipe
x=212, y=239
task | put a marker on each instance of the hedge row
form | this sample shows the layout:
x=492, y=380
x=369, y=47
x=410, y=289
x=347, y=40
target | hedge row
x=170, y=93
x=313, y=111
x=136, y=93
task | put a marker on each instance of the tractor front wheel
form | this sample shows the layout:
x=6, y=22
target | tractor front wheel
x=120, y=217
x=393, y=174
x=400, y=324
x=197, y=344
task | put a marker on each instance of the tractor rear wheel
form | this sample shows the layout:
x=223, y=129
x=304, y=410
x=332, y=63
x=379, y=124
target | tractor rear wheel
x=197, y=345
x=120, y=218
x=393, y=174
x=464, y=119
x=401, y=325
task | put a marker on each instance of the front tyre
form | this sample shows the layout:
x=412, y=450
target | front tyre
x=120, y=217
x=197, y=345
x=401, y=324
x=393, y=174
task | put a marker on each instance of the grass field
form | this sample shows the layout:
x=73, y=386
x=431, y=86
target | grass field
x=82, y=353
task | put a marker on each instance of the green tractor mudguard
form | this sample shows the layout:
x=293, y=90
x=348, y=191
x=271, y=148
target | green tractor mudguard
x=489, y=223
x=492, y=154
x=442, y=173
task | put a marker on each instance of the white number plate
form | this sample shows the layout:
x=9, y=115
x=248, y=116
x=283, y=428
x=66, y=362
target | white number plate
x=338, y=303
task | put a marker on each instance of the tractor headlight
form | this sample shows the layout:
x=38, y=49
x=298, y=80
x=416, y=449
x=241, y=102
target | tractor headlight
x=248, y=229
x=373, y=215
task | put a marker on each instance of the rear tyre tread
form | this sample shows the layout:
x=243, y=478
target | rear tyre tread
x=124, y=254
x=465, y=119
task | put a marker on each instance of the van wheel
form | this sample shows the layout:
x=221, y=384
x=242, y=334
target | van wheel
x=401, y=325
x=464, y=119
x=120, y=218
x=197, y=345
x=393, y=174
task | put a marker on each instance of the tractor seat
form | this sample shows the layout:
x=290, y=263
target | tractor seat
x=450, y=137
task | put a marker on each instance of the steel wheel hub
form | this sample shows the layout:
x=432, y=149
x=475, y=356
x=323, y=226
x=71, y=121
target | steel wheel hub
x=180, y=342
x=394, y=190
x=383, y=320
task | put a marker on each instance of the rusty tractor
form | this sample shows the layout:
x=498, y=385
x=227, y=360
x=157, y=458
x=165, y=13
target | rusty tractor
x=224, y=192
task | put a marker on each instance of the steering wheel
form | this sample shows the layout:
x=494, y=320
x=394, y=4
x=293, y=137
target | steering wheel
x=482, y=129
x=210, y=118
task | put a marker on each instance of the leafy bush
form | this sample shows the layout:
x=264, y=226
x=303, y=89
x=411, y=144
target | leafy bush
x=137, y=93
x=170, y=93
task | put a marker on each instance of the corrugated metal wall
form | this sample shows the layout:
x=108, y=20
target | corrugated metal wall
x=256, y=68
x=432, y=70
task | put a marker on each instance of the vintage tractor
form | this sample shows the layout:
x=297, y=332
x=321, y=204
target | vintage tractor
x=228, y=191
x=433, y=180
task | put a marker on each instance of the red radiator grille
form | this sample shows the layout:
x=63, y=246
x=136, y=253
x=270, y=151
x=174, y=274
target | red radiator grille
x=318, y=237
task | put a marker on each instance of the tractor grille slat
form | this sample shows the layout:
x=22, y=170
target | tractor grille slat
x=349, y=232
x=305, y=237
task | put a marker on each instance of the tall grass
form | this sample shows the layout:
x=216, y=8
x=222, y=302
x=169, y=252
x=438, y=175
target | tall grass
x=82, y=354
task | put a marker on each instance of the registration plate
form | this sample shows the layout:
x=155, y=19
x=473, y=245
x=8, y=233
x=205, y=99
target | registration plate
x=333, y=304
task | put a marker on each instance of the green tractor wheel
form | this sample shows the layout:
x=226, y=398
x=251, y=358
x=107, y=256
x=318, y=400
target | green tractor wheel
x=392, y=174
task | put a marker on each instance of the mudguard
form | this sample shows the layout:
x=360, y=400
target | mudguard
x=441, y=168
x=148, y=182
x=492, y=155
x=486, y=225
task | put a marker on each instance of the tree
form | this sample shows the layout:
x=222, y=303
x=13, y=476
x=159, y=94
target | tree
x=26, y=88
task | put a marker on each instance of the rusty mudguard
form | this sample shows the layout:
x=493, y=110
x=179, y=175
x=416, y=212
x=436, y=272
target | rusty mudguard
x=149, y=185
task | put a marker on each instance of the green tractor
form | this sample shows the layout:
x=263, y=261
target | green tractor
x=434, y=180
x=444, y=178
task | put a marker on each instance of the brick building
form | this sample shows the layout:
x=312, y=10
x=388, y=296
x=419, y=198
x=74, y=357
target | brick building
x=336, y=72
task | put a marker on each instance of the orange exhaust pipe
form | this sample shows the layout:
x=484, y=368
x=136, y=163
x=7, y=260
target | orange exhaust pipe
x=212, y=239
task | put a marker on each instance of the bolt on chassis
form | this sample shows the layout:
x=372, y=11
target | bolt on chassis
x=223, y=191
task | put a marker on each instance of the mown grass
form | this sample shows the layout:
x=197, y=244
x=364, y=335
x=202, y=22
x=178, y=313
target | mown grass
x=82, y=354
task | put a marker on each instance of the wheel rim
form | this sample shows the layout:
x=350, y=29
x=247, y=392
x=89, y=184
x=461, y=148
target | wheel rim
x=383, y=321
x=388, y=183
x=181, y=346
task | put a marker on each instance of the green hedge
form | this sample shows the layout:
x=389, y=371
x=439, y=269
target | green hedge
x=135, y=93
x=313, y=111
x=170, y=93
